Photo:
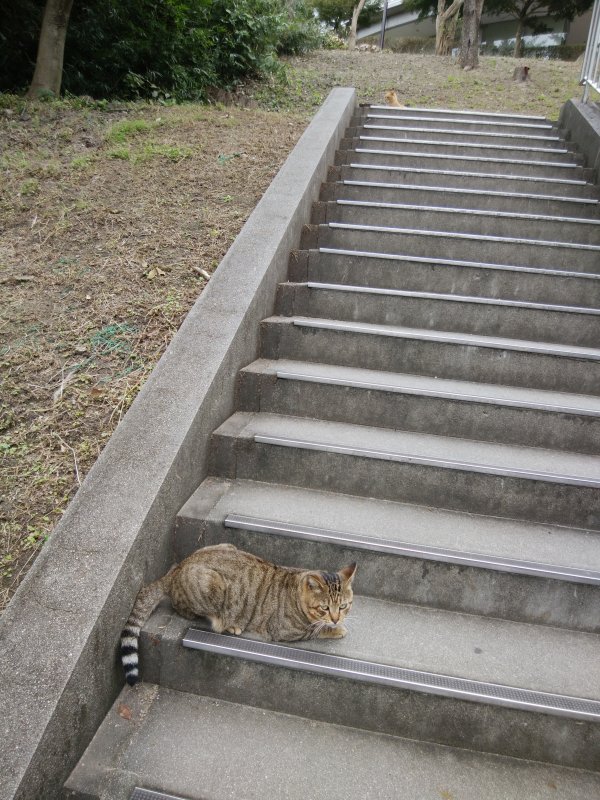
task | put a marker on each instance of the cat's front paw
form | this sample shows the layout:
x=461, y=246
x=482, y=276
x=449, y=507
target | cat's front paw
x=337, y=632
x=234, y=631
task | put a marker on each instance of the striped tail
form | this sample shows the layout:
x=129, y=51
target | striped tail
x=145, y=603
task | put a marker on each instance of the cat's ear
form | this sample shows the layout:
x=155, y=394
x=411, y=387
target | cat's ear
x=347, y=573
x=314, y=582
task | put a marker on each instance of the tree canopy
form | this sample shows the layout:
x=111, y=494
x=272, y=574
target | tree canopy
x=338, y=13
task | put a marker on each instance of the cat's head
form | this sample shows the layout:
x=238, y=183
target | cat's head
x=326, y=597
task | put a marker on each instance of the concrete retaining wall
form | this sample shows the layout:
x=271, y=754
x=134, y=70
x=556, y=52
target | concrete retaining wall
x=581, y=123
x=58, y=637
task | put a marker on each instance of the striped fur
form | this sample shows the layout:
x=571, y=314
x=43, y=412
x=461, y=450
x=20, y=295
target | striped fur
x=146, y=601
x=239, y=592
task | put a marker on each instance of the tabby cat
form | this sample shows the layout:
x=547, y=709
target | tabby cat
x=238, y=592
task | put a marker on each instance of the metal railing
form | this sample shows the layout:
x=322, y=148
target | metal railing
x=590, y=72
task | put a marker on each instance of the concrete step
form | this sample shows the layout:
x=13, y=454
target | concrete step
x=454, y=122
x=431, y=243
x=464, y=409
x=406, y=350
x=514, y=202
x=412, y=157
x=165, y=745
x=416, y=112
x=471, y=220
x=443, y=275
x=421, y=666
x=457, y=474
x=513, y=319
x=550, y=141
x=421, y=143
x=507, y=569
x=508, y=180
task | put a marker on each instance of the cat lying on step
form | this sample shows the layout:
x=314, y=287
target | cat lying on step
x=240, y=592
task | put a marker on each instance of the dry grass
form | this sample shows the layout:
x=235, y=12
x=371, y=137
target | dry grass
x=107, y=218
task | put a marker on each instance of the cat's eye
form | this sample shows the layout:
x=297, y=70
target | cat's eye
x=343, y=606
x=324, y=608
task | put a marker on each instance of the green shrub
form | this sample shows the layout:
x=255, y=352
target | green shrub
x=173, y=49
x=301, y=31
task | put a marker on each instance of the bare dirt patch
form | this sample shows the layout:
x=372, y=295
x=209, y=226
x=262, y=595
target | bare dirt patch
x=110, y=223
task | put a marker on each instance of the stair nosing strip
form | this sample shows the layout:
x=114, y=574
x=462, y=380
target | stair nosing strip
x=412, y=550
x=424, y=392
x=139, y=793
x=478, y=212
x=456, y=235
x=463, y=121
x=458, y=263
x=490, y=301
x=428, y=461
x=484, y=159
x=372, y=672
x=462, y=112
x=481, y=145
x=450, y=337
x=457, y=190
x=490, y=134
x=458, y=173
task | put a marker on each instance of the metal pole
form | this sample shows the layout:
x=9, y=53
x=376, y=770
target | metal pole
x=383, y=22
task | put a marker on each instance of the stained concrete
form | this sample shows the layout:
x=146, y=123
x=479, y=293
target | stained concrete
x=175, y=742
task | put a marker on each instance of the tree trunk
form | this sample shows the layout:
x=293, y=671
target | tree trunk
x=469, y=45
x=49, y=64
x=518, y=51
x=354, y=24
x=445, y=26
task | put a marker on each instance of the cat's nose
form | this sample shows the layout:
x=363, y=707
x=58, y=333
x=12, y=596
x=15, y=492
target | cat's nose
x=335, y=618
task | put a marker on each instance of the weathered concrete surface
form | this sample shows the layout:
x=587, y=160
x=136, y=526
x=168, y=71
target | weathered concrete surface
x=174, y=743
x=582, y=123
x=58, y=637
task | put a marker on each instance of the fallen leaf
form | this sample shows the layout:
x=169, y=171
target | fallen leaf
x=124, y=711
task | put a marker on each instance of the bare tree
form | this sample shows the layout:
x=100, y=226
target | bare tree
x=469, y=46
x=354, y=24
x=445, y=26
x=49, y=64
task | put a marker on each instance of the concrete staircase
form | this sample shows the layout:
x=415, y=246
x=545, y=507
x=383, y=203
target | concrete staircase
x=426, y=403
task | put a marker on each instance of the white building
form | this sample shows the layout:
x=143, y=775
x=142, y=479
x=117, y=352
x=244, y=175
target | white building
x=494, y=29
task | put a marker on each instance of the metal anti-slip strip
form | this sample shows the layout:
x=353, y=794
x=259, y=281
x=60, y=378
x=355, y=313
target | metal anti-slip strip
x=486, y=159
x=474, y=212
x=453, y=235
x=473, y=145
x=448, y=262
x=461, y=174
x=411, y=550
x=150, y=794
x=463, y=113
x=386, y=675
x=461, y=121
x=421, y=391
x=467, y=339
x=456, y=298
x=454, y=132
x=428, y=461
x=485, y=192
